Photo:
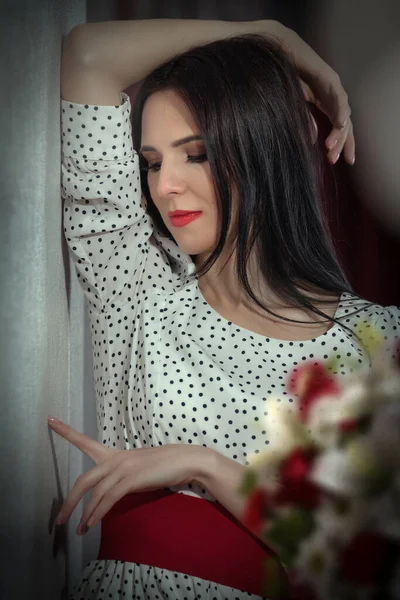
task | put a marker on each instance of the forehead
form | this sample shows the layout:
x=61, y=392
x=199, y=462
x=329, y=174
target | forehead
x=166, y=110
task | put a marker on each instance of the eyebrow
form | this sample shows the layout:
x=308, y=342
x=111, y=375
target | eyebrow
x=175, y=144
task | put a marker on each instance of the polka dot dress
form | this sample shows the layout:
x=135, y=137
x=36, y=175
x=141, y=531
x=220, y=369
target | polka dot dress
x=167, y=367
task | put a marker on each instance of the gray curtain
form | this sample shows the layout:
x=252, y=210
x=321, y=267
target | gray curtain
x=44, y=339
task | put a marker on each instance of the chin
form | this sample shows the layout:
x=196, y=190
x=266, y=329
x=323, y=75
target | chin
x=193, y=249
x=194, y=244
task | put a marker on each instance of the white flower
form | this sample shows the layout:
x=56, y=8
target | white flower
x=267, y=469
x=326, y=414
x=363, y=458
x=315, y=564
x=283, y=428
x=341, y=518
x=388, y=387
x=337, y=471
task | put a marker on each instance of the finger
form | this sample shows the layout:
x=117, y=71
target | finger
x=101, y=494
x=332, y=138
x=308, y=94
x=90, y=447
x=336, y=150
x=349, y=150
x=82, y=485
x=314, y=130
x=341, y=108
x=115, y=494
x=342, y=116
x=336, y=135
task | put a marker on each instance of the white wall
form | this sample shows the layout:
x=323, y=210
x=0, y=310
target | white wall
x=37, y=378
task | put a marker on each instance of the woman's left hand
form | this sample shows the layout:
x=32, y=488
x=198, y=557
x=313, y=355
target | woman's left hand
x=321, y=86
x=121, y=472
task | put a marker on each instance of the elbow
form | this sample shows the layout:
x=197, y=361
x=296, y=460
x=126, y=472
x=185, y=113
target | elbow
x=75, y=47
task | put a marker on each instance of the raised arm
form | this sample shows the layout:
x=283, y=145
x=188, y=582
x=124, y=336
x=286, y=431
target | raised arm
x=122, y=53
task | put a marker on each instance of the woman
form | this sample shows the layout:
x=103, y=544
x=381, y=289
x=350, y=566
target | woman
x=196, y=319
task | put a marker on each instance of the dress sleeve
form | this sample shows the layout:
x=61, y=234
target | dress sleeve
x=105, y=221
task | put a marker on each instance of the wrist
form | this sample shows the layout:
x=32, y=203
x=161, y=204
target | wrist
x=222, y=478
x=269, y=27
x=204, y=467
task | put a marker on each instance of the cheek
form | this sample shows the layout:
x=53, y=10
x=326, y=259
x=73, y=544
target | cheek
x=153, y=192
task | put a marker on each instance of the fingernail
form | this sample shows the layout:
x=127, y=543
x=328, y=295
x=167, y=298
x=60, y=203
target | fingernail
x=52, y=419
x=82, y=529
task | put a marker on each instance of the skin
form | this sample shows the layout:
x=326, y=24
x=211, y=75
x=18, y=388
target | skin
x=175, y=183
x=121, y=472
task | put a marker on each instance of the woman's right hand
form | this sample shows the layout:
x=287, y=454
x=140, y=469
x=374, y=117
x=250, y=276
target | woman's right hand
x=321, y=86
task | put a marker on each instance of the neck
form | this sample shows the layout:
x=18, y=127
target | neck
x=222, y=283
x=222, y=288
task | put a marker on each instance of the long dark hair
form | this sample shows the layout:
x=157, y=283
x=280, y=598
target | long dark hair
x=246, y=98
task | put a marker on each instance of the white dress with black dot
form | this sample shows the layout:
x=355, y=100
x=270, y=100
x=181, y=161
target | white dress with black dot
x=167, y=367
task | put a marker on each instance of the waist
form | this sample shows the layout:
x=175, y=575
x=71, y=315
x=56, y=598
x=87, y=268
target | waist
x=189, y=535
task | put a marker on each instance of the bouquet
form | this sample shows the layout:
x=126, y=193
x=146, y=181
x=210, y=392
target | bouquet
x=326, y=494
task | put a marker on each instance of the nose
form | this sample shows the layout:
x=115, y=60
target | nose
x=170, y=180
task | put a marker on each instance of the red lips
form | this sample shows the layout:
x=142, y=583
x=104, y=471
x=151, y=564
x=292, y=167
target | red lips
x=178, y=213
x=180, y=218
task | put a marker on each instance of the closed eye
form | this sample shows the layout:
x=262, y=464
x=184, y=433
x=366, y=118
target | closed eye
x=198, y=158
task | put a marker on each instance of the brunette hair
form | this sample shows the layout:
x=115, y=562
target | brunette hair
x=245, y=96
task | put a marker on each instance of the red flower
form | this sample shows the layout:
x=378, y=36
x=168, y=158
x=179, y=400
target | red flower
x=309, y=382
x=254, y=511
x=295, y=488
x=348, y=425
x=363, y=558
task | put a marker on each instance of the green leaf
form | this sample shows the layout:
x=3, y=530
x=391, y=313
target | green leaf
x=332, y=364
x=249, y=482
x=288, y=554
x=379, y=483
x=288, y=530
x=370, y=337
x=273, y=579
x=363, y=426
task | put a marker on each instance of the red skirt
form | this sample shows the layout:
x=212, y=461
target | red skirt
x=188, y=535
